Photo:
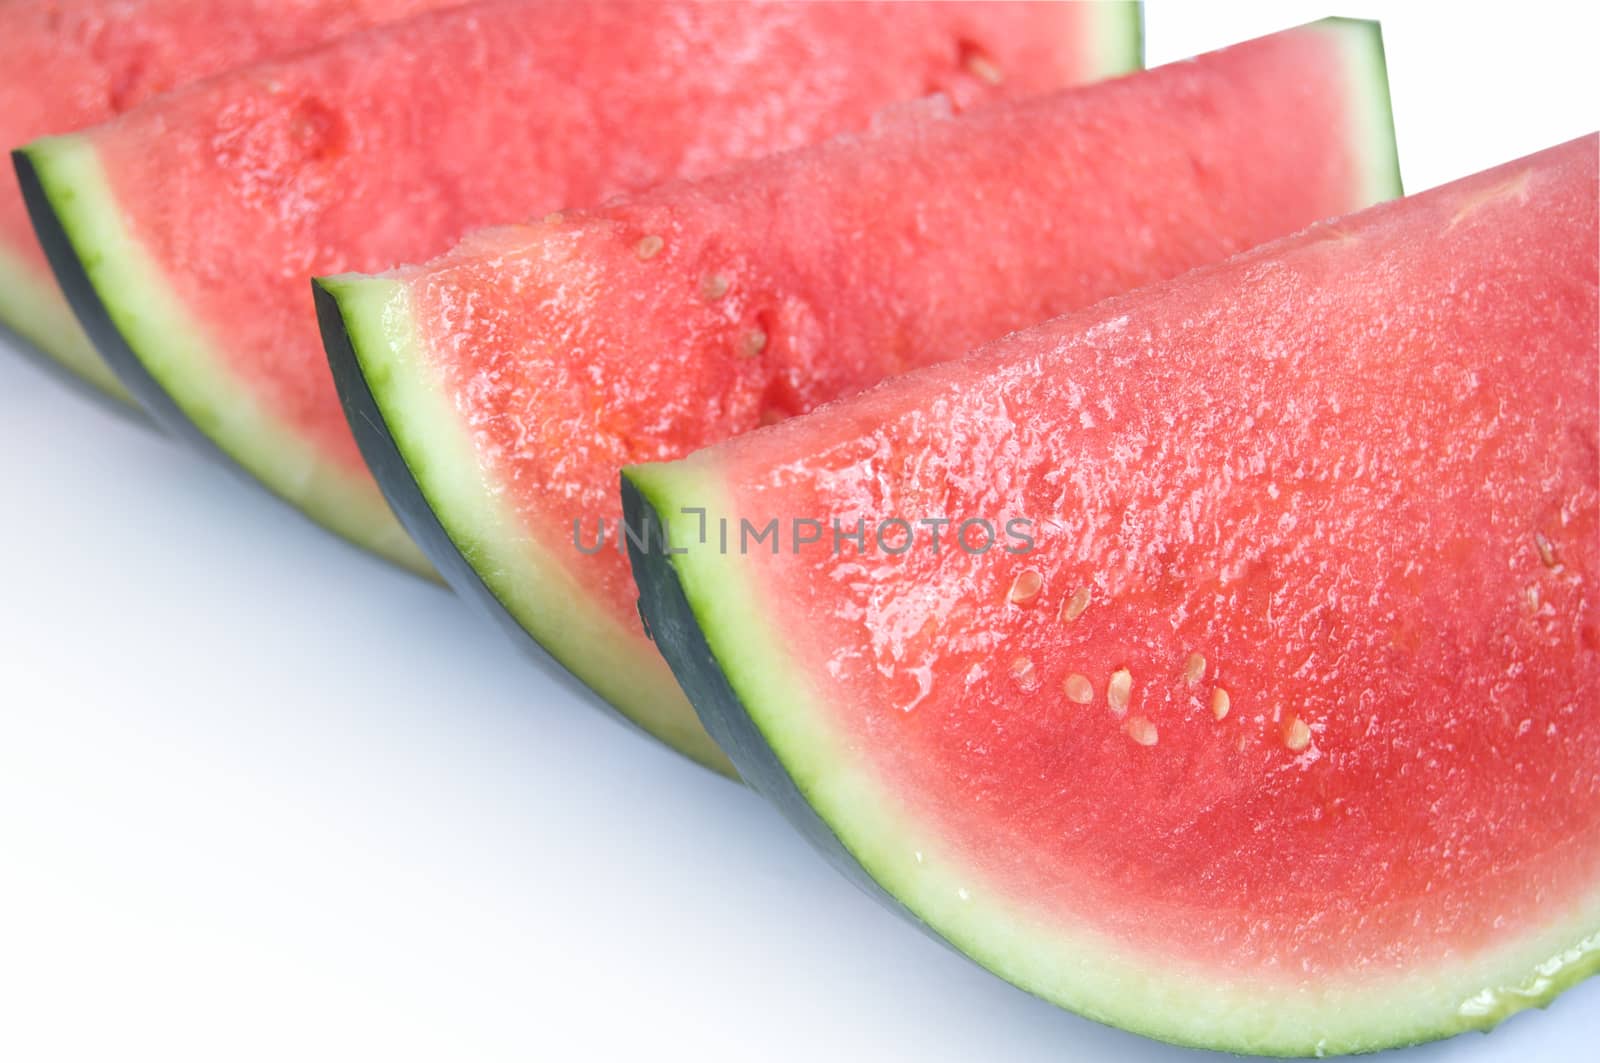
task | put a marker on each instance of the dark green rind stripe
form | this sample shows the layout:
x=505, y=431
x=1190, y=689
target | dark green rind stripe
x=89, y=304
x=49, y=208
x=416, y=514
x=1136, y=60
x=671, y=623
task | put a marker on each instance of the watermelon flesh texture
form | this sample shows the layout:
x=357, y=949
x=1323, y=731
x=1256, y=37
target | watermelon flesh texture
x=87, y=62
x=190, y=225
x=1284, y=737
x=520, y=372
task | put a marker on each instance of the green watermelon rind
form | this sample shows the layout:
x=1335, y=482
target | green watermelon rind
x=412, y=439
x=32, y=308
x=710, y=622
x=1118, y=41
x=1374, y=133
x=169, y=362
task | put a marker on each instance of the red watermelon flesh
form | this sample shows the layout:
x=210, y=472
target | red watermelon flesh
x=1285, y=736
x=520, y=372
x=87, y=61
x=199, y=217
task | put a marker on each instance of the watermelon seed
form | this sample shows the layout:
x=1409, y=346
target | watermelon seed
x=649, y=247
x=1141, y=730
x=713, y=286
x=1073, y=607
x=1025, y=588
x=753, y=343
x=1194, y=668
x=1119, y=690
x=1078, y=688
x=1022, y=672
x=1516, y=186
x=1530, y=598
x=1219, y=703
x=1547, y=552
x=1298, y=736
x=983, y=68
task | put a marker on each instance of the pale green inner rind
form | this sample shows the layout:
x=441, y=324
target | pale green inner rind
x=1060, y=956
x=178, y=353
x=32, y=306
x=526, y=574
x=1371, y=114
x=1116, y=38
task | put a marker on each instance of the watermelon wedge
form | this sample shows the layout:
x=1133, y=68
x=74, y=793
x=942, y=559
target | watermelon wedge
x=499, y=390
x=184, y=231
x=87, y=61
x=1281, y=731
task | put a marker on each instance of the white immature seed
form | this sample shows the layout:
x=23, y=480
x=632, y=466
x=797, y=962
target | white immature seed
x=555, y=217
x=1078, y=689
x=1547, y=551
x=1025, y=588
x=753, y=343
x=1194, y=668
x=649, y=247
x=1298, y=736
x=1141, y=730
x=1119, y=690
x=713, y=286
x=1220, y=703
x=1074, y=606
x=1023, y=673
x=983, y=68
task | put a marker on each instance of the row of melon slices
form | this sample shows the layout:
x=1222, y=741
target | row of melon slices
x=1218, y=659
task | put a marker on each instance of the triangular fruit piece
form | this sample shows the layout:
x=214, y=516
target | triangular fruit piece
x=1252, y=700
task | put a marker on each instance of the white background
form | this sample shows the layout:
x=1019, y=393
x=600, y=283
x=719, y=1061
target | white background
x=262, y=797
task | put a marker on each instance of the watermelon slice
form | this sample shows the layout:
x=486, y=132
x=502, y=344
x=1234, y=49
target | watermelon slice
x=87, y=61
x=519, y=373
x=1282, y=732
x=185, y=230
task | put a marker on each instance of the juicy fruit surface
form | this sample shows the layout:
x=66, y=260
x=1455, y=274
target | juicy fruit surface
x=371, y=151
x=1350, y=482
x=86, y=62
x=645, y=330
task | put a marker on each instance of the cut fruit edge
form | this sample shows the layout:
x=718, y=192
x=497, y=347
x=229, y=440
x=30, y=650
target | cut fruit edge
x=166, y=359
x=413, y=440
x=708, y=622
x=33, y=310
